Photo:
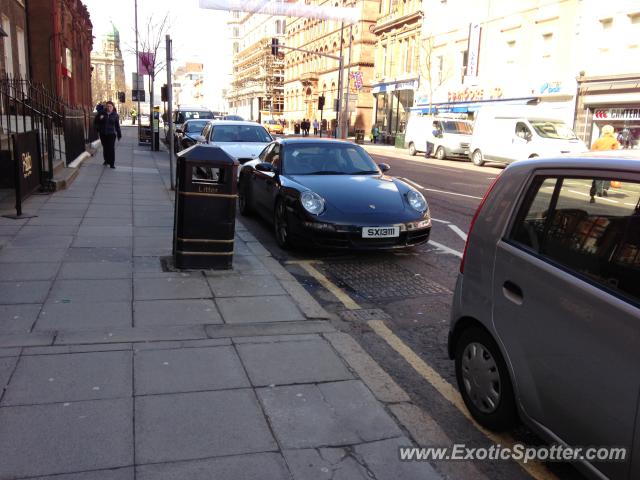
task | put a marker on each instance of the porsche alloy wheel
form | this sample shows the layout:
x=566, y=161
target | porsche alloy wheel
x=281, y=225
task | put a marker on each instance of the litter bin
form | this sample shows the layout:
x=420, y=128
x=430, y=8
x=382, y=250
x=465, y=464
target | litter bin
x=205, y=209
x=360, y=136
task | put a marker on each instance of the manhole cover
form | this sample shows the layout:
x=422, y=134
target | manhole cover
x=364, y=315
x=382, y=280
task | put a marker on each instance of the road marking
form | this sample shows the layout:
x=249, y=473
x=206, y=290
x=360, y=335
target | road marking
x=326, y=283
x=450, y=393
x=417, y=185
x=459, y=232
x=604, y=199
x=445, y=249
x=440, y=221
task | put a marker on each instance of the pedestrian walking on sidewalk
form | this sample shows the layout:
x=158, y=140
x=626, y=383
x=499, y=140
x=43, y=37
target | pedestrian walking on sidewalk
x=607, y=141
x=108, y=124
x=315, y=126
x=375, y=133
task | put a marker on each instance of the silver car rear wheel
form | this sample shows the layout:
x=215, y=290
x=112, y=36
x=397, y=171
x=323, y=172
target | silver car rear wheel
x=481, y=377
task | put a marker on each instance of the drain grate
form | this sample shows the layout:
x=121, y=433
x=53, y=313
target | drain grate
x=364, y=315
x=382, y=280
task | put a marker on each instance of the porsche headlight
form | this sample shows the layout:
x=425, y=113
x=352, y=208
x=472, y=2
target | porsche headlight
x=416, y=200
x=312, y=202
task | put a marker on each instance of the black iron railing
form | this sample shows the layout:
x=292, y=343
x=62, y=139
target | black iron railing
x=25, y=106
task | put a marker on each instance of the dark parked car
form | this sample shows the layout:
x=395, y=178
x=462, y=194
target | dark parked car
x=331, y=194
x=186, y=136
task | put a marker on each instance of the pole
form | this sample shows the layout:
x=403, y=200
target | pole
x=346, y=106
x=340, y=80
x=137, y=70
x=170, y=111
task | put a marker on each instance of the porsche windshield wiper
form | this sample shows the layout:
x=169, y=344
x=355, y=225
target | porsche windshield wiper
x=326, y=172
x=364, y=172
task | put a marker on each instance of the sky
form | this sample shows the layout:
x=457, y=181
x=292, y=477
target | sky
x=199, y=35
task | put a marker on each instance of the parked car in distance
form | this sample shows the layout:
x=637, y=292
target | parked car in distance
x=330, y=193
x=184, y=113
x=242, y=140
x=545, y=319
x=510, y=133
x=449, y=137
x=273, y=126
x=187, y=134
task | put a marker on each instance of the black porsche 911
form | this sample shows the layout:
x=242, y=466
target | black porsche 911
x=330, y=193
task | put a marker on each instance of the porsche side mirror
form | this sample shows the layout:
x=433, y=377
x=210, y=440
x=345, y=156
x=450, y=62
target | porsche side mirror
x=264, y=167
x=200, y=139
x=384, y=167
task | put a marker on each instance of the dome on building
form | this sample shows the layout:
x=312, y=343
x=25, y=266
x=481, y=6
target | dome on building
x=113, y=35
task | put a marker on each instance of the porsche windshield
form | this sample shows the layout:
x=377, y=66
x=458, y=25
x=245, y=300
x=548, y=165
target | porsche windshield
x=327, y=159
x=240, y=133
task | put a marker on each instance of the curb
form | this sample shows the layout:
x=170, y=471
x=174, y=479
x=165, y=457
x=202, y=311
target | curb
x=79, y=160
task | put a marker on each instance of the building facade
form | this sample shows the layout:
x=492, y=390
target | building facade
x=397, y=70
x=13, y=44
x=108, y=68
x=498, y=52
x=60, y=41
x=609, y=79
x=308, y=76
x=257, y=78
x=577, y=59
x=188, y=85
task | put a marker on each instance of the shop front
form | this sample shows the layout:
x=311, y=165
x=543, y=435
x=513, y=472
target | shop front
x=393, y=102
x=611, y=101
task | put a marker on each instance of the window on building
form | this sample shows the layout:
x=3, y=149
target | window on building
x=510, y=53
x=384, y=60
x=546, y=50
x=236, y=47
x=22, y=57
x=236, y=32
x=439, y=73
x=8, y=49
x=606, y=33
x=464, y=60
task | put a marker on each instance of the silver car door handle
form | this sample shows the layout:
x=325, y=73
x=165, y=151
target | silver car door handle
x=512, y=292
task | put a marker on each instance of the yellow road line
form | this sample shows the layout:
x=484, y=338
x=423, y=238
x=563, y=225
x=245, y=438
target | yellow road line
x=449, y=392
x=326, y=283
x=537, y=470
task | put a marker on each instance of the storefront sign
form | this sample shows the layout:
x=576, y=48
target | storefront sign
x=392, y=87
x=550, y=87
x=617, y=114
x=474, y=94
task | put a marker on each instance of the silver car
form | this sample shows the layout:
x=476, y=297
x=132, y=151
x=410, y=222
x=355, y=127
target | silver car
x=545, y=322
x=242, y=140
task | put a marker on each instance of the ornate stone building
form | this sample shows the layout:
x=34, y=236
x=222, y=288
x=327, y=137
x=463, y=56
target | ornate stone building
x=308, y=76
x=256, y=86
x=108, y=69
x=397, y=71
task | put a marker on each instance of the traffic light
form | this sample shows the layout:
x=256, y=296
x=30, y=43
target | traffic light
x=321, y=102
x=274, y=47
x=164, y=96
x=121, y=97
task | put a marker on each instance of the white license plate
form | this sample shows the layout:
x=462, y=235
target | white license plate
x=380, y=232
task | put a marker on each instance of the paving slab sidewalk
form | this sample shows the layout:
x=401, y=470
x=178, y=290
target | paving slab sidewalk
x=113, y=369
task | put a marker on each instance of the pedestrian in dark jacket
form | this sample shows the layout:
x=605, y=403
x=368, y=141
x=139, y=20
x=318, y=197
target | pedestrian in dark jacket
x=108, y=125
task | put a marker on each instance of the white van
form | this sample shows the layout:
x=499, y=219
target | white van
x=510, y=133
x=449, y=137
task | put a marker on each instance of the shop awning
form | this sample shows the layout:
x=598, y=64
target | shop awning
x=464, y=107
